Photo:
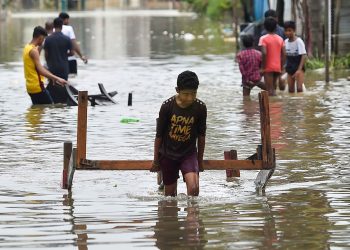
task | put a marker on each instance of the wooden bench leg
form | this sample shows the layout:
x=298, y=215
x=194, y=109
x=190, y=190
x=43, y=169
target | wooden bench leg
x=230, y=173
x=67, y=152
x=71, y=168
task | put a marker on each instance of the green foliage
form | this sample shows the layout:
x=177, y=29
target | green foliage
x=342, y=62
x=339, y=62
x=314, y=63
x=215, y=9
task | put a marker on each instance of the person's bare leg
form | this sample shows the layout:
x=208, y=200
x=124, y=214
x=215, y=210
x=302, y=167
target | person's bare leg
x=170, y=190
x=281, y=83
x=300, y=81
x=276, y=77
x=246, y=91
x=192, y=183
x=269, y=81
x=261, y=85
x=291, y=84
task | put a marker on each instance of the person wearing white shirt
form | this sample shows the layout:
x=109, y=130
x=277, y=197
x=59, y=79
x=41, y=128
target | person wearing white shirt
x=69, y=31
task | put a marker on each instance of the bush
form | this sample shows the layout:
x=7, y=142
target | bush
x=339, y=62
x=314, y=63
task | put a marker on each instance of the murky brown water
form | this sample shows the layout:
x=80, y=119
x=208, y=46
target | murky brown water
x=306, y=205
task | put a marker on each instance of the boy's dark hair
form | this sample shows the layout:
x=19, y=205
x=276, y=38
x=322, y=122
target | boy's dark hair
x=63, y=15
x=270, y=13
x=49, y=25
x=270, y=24
x=57, y=23
x=247, y=41
x=289, y=24
x=39, y=31
x=187, y=80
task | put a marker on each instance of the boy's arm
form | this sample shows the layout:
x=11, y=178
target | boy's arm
x=76, y=48
x=301, y=65
x=155, y=164
x=160, y=126
x=283, y=61
x=34, y=54
x=263, y=58
x=201, y=147
x=201, y=138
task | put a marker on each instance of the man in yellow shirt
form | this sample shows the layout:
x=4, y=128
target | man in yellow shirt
x=34, y=72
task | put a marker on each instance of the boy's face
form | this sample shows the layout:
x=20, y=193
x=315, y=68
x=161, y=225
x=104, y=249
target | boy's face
x=41, y=40
x=187, y=96
x=289, y=32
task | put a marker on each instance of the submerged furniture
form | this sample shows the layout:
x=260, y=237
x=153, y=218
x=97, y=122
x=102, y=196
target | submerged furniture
x=97, y=99
x=263, y=160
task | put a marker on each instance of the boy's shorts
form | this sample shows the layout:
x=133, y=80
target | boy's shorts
x=170, y=168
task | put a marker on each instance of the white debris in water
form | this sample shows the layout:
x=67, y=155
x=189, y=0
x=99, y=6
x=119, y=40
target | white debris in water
x=189, y=37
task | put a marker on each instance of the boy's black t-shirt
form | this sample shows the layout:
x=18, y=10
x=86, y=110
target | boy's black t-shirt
x=57, y=46
x=180, y=127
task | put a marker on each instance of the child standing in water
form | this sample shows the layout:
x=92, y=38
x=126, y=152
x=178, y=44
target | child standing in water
x=180, y=137
x=273, y=55
x=249, y=60
x=296, y=57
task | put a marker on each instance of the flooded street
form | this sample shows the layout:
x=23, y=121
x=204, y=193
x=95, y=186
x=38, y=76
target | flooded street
x=307, y=201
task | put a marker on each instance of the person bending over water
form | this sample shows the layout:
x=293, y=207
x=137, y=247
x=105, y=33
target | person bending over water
x=249, y=60
x=34, y=71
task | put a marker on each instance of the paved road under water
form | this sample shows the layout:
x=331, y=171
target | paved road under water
x=306, y=205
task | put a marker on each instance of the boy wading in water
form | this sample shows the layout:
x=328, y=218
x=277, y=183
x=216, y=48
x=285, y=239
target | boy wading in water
x=273, y=55
x=249, y=60
x=296, y=57
x=180, y=137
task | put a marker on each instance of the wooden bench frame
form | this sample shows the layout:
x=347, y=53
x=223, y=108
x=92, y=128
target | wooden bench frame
x=263, y=160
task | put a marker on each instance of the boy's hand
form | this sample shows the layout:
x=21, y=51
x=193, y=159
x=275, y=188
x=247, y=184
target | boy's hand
x=200, y=165
x=61, y=81
x=296, y=73
x=155, y=166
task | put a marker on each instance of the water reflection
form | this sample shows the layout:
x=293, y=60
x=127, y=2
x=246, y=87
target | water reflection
x=110, y=36
x=34, y=117
x=174, y=230
x=77, y=229
x=311, y=225
x=307, y=200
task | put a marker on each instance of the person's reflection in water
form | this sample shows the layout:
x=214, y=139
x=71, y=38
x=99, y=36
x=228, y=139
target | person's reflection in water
x=171, y=231
x=82, y=237
x=251, y=110
x=33, y=117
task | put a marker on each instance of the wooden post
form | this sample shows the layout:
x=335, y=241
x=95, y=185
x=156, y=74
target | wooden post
x=67, y=151
x=82, y=126
x=231, y=155
x=327, y=28
x=267, y=151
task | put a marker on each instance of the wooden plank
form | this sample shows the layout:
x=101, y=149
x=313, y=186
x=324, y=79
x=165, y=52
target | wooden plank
x=82, y=126
x=267, y=151
x=146, y=164
x=264, y=175
x=71, y=168
x=67, y=152
x=230, y=173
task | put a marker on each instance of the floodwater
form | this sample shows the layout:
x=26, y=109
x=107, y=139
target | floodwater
x=306, y=204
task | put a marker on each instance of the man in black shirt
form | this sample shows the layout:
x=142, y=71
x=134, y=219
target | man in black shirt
x=57, y=49
x=181, y=128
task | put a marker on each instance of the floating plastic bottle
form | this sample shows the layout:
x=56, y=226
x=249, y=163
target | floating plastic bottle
x=129, y=120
